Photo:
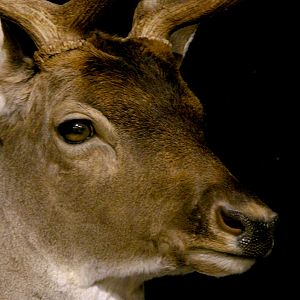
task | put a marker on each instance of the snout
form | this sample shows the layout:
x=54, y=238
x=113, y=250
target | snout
x=239, y=230
x=254, y=235
x=227, y=230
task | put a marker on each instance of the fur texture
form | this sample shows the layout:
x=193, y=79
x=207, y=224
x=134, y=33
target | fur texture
x=142, y=198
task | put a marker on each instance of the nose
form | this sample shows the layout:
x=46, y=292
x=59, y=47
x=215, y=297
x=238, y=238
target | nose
x=255, y=237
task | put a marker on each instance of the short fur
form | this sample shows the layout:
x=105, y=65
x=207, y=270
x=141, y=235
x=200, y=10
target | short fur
x=140, y=199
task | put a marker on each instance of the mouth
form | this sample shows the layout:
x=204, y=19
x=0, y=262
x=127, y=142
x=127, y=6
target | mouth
x=218, y=263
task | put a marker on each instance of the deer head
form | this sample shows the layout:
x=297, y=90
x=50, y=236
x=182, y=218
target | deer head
x=105, y=178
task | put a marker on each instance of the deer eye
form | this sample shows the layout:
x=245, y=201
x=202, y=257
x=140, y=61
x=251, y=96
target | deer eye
x=76, y=131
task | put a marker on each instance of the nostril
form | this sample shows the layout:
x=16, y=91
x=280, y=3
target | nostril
x=230, y=221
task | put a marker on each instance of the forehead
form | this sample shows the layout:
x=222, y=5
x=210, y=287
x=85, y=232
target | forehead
x=137, y=88
x=137, y=79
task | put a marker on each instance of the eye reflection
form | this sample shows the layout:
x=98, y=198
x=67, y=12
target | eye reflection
x=76, y=131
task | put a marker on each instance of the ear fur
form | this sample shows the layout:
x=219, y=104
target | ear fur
x=16, y=67
x=16, y=47
x=181, y=40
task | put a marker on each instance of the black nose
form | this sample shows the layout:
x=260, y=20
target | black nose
x=254, y=237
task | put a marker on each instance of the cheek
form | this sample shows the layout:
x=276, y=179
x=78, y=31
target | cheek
x=81, y=187
x=81, y=167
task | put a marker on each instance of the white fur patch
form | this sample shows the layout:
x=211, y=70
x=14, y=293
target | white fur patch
x=2, y=104
x=85, y=275
x=218, y=265
x=80, y=281
x=2, y=53
x=1, y=35
x=187, y=45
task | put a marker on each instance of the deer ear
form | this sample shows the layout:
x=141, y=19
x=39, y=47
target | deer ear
x=181, y=40
x=166, y=20
x=16, y=47
x=16, y=66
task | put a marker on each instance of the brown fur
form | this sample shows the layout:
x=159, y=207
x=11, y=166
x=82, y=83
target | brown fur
x=145, y=188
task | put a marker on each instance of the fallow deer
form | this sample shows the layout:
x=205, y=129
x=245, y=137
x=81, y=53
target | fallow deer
x=105, y=177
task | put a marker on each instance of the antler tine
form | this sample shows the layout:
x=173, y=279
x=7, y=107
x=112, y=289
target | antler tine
x=34, y=16
x=50, y=24
x=158, y=18
x=79, y=14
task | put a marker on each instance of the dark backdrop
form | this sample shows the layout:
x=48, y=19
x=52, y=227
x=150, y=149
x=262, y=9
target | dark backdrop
x=240, y=65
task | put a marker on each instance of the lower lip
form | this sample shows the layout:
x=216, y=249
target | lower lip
x=219, y=263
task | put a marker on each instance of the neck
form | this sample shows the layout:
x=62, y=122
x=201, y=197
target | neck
x=38, y=277
x=108, y=289
x=120, y=289
x=39, y=283
x=36, y=273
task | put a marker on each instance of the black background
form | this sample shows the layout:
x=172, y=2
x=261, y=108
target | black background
x=241, y=65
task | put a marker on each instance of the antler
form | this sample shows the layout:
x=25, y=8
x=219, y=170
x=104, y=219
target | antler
x=79, y=14
x=158, y=18
x=49, y=23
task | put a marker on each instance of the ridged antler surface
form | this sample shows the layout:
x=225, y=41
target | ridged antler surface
x=158, y=18
x=47, y=23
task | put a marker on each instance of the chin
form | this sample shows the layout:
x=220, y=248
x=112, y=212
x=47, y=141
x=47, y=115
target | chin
x=218, y=264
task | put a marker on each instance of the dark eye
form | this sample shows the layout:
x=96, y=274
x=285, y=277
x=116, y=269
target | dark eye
x=76, y=131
